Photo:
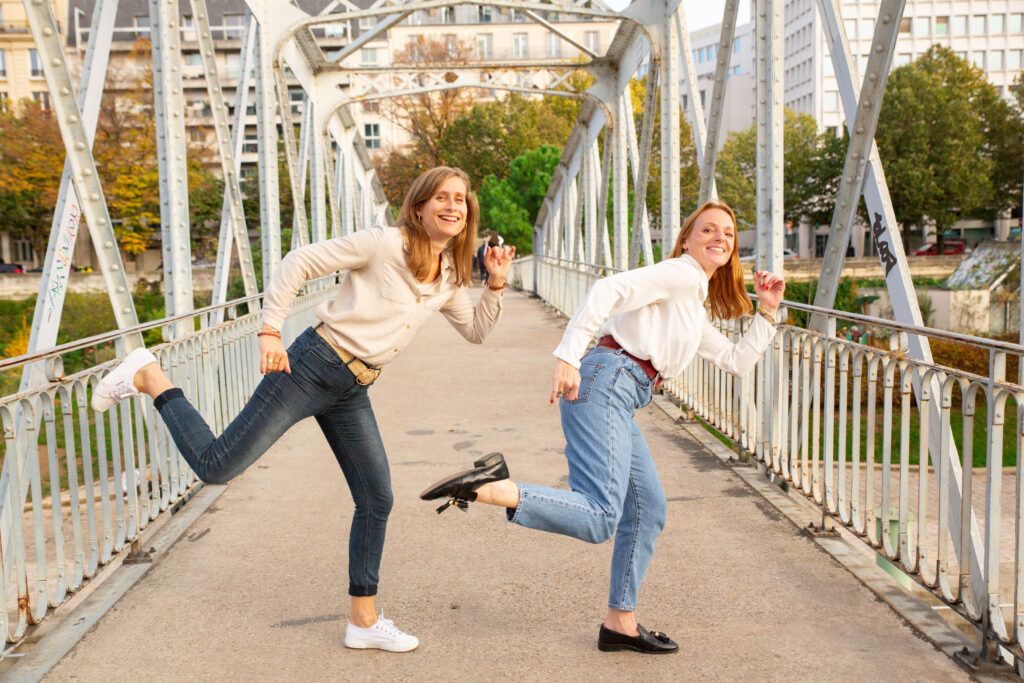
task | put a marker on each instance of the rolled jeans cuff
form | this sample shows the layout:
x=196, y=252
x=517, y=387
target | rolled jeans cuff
x=361, y=591
x=161, y=400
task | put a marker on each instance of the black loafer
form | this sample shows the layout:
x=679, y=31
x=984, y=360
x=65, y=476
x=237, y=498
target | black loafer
x=460, y=489
x=648, y=642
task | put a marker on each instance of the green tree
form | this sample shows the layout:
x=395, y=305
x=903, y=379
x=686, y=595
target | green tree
x=811, y=165
x=486, y=139
x=932, y=141
x=501, y=212
x=530, y=175
x=31, y=163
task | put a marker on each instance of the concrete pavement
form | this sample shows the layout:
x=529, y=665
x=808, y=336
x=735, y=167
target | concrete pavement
x=255, y=589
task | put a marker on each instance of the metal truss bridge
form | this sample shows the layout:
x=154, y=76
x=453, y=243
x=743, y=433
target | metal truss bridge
x=817, y=412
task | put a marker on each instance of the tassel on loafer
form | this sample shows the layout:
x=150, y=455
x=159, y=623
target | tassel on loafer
x=648, y=642
x=460, y=489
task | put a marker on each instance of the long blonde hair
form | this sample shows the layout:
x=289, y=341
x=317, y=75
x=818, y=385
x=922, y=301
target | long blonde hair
x=460, y=246
x=727, y=294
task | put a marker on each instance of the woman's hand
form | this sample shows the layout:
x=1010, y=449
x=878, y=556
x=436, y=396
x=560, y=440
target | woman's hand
x=566, y=381
x=498, y=260
x=769, y=288
x=273, y=356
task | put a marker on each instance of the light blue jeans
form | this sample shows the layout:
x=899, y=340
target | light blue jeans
x=615, y=486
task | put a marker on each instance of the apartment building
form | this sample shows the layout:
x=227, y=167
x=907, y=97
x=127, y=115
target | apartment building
x=989, y=34
x=493, y=34
x=740, y=94
x=21, y=71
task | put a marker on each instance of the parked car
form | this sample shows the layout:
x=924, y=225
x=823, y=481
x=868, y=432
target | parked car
x=950, y=248
x=11, y=268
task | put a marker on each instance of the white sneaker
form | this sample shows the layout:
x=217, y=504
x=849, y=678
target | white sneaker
x=383, y=635
x=119, y=383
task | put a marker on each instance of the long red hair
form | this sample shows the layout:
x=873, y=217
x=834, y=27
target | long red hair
x=727, y=294
x=461, y=246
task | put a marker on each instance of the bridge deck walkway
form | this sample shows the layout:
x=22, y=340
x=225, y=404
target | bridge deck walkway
x=255, y=590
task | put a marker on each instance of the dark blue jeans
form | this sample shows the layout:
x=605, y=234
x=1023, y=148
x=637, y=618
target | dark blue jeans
x=319, y=386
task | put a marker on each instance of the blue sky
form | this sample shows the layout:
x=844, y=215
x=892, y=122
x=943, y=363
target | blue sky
x=700, y=13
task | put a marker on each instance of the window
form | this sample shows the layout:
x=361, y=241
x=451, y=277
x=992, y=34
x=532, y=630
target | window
x=141, y=21
x=3, y=64
x=336, y=31
x=922, y=26
x=366, y=23
x=35, y=64
x=831, y=100
x=447, y=15
x=959, y=26
x=978, y=25
x=978, y=58
x=42, y=99
x=995, y=23
x=851, y=27
x=232, y=64
x=995, y=60
x=1014, y=23
x=368, y=56
x=736, y=46
x=451, y=44
x=371, y=135
x=554, y=45
x=485, y=46
x=866, y=28
x=905, y=25
x=942, y=26
x=520, y=46
x=371, y=106
x=234, y=23
x=193, y=61
x=484, y=14
x=902, y=59
x=1013, y=59
x=592, y=41
x=828, y=68
x=962, y=54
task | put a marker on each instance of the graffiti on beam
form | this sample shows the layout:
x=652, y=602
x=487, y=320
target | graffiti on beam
x=62, y=256
x=883, y=249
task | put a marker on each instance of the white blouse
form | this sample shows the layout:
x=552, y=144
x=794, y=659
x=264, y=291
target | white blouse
x=657, y=313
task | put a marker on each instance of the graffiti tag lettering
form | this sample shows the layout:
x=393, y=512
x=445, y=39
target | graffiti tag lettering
x=884, y=249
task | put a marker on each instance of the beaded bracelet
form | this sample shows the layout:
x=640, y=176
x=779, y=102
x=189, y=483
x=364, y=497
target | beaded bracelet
x=268, y=333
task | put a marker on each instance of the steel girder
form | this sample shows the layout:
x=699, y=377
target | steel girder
x=230, y=164
x=715, y=111
x=169, y=110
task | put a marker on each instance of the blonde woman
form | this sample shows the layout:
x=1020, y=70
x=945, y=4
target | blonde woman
x=651, y=323
x=396, y=277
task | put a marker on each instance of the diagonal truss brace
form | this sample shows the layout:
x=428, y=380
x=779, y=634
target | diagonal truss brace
x=708, y=190
x=229, y=165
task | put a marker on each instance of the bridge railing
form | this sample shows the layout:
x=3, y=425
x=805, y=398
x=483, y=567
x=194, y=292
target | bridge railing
x=922, y=461
x=79, y=488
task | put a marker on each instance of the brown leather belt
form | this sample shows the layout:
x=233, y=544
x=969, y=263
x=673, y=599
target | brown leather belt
x=363, y=373
x=609, y=342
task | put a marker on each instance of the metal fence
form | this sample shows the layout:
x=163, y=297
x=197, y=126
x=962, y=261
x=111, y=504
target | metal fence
x=920, y=461
x=78, y=487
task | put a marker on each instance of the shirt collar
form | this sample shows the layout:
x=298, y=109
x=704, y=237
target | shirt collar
x=702, y=280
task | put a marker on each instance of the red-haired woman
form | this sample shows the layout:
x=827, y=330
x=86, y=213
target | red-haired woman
x=396, y=277
x=651, y=322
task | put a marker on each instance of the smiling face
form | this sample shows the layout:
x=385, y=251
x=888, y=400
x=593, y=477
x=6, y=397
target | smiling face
x=443, y=215
x=712, y=239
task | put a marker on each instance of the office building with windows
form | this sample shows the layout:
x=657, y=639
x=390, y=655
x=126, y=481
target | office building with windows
x=739, y=107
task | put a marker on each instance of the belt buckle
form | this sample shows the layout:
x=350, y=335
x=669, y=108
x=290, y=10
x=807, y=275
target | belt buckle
x=367, y=376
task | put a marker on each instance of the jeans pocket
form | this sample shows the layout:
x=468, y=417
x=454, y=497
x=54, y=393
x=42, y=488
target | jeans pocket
x=588, y=377
x=324, y=352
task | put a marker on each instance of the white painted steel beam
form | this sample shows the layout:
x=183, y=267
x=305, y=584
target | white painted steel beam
x=67, y=214
x=230, y=166
x=266, y=127
x=169, y=110
x=226, y=241
x=716, y=111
